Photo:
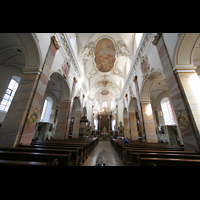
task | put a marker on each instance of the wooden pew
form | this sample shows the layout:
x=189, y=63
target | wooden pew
x=138, y=156
x=87, y=144
x=27, y=163
x=129, y=158
x=63, y=159
x=76, y=152
x=168, y=162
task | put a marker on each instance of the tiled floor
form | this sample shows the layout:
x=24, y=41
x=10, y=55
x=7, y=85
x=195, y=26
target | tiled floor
x=112, y=157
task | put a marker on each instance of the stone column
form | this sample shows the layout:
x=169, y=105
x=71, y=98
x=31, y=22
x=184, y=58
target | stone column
x=29, y=96
x=139, y=108
x=76, y=125
x=62, y=120
x=149, y=125
x=179, y=96
x=71, y=105
x=133, y=126
x=126, y=132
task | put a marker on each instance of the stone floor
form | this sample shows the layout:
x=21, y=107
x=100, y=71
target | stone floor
x=112, y=157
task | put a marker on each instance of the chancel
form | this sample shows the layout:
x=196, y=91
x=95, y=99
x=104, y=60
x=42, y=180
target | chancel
x=66, y=97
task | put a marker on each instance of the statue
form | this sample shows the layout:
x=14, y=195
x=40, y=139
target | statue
x=121, y=130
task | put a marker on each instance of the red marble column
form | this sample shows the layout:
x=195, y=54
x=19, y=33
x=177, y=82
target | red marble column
x=149, y=125
x=70, y=110
x=37, y=99
x=180, y=103
x=139, y=109
x=133, y=125
x=29, y=95
x=76, y=125
x=62, y=120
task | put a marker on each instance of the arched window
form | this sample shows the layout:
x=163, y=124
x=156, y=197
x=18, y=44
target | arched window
x=104, y=104
x=167, y=111
x=112, y=104
x=113, y=124
x=8, y=96
x=46, y=111
x=96, y=124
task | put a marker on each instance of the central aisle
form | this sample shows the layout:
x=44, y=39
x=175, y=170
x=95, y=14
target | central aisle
x=113, y=158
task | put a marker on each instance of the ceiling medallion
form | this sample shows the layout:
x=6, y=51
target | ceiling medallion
x=104, y=92
x=105, y=55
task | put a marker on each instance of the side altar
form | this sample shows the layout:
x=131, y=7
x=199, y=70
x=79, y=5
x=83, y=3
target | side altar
x=105, y=123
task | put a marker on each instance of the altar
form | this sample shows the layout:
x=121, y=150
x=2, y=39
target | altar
x=105, y=123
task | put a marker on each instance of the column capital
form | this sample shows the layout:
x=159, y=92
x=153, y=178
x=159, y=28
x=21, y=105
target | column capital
x=156, y=38
x=145, y=101
x=135, y=78
x=55, y=42
x=184, y=68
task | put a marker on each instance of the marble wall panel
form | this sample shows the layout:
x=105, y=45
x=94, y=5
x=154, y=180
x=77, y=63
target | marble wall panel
x=133, y=126
x=76, y=125
x=149, y=126
x=126, y=130
x=62, y=120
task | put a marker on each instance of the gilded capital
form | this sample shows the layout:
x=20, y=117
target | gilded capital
x=135, y=78
x=75, y=80
x=55, y=42
x=156, y=38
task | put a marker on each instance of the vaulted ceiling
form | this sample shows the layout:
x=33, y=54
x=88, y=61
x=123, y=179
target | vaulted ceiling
x=111, y=79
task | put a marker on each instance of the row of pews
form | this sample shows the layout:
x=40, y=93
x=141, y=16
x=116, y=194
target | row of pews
x=71, y=152
x=138, y=153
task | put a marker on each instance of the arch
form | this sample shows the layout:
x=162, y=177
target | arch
x=184, y=49
x=32, y=50
x=63, y=84
x=77, y=104
x=132, y=105
x=156, y=75
x=125, y=113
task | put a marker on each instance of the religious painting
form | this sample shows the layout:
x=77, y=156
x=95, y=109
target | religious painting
x=104, y=92
x=144, y=66
x=105, y=55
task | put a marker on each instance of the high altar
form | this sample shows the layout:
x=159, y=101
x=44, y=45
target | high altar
x=105, y=123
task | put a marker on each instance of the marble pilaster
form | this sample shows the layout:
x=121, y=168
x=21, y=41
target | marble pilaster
x=149, y=125
x=10, y=131
x=126, y=131
x=76, y=125
x=62, y=120
x=139, y=108
x=133, y=126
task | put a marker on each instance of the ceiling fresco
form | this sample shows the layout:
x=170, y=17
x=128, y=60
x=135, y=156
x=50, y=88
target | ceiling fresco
x=105, y=55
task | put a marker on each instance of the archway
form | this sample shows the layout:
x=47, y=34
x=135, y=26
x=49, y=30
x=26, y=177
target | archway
x=154, y=90
x=58, y=90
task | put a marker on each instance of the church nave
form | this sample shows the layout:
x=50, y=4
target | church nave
x=112, y=157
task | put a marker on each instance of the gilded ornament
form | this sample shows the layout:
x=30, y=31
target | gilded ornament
x=156, y=38
x=33, y=116
x=183, y=121
x=55, y=42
